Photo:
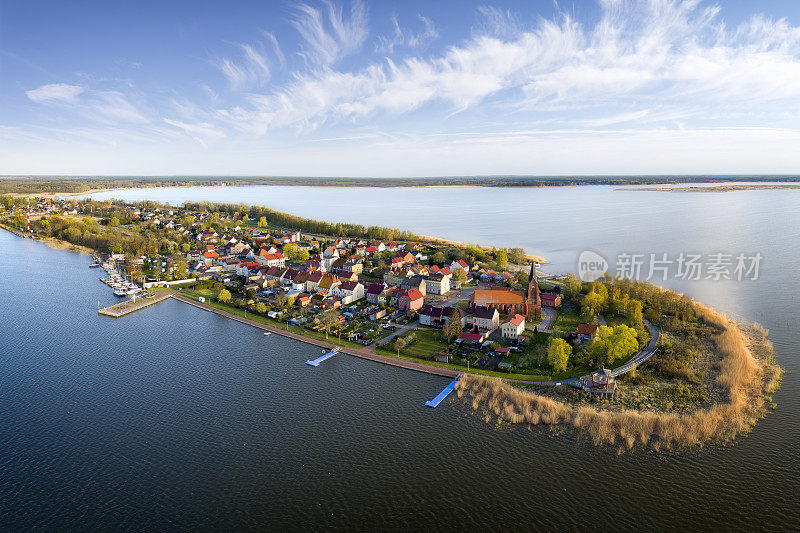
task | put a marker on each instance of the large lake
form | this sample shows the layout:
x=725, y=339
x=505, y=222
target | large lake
x=174, y=418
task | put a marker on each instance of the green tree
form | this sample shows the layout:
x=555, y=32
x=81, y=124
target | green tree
x=261, y=308
x=328, y=319
x=460, y=276
x=224, y=296
x=592, y=304
x=614, y=343
x=181, y=268
x=476, y=252
x=572, y=286
x=633, y=312
x=437, y=258
x=185, y=247
x=501, y=258
x=295, y=253
x=114, y=222
x=516, y=256
x=73, y=234
x=453, y=328
x=399, y=344
x=558, y=352
x=281, y=301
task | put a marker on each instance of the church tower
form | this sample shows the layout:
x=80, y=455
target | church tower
x=533, y=287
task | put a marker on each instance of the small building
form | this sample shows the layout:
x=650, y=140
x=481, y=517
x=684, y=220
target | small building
x=551, y=299
x=470, y=338
x=431, y=316
x=602, y=383
x=486, y=318
x=513, y=327
x=586, y=332
x=376, y=293
x=410, y=300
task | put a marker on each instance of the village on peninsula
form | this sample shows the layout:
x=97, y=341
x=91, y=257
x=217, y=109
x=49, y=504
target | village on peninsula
x=437, y=306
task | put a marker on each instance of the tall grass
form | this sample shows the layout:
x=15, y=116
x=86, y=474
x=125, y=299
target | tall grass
x=747, y=379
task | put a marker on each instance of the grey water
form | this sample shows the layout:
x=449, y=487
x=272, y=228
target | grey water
x=175, y=418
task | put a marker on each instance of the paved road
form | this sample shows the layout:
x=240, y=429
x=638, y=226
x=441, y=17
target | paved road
x=547, y=322
x=364, y=353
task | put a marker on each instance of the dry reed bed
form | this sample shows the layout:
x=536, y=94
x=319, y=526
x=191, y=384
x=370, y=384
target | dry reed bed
x=747, y=371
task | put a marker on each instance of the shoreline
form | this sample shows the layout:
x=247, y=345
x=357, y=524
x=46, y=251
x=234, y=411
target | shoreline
x=748, y=373
x=361, y=353
x=52, y=242
x=749, y=379
x=728, y=187
x=537, y=258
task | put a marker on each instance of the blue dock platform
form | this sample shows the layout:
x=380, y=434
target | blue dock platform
x=322, y=358
x=442, y=395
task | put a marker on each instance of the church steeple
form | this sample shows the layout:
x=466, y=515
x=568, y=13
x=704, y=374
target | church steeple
x=533, y=287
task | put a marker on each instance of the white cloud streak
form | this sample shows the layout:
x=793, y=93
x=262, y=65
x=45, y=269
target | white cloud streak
x=325, y=44
x=55, y=93
x=649, y=49
x=399, y=38
x=252, y=70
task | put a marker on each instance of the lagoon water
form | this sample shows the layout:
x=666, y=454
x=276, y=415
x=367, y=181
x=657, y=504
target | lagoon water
x=174, y=418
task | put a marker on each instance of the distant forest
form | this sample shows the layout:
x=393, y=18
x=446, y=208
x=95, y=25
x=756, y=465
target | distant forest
x=68, y=184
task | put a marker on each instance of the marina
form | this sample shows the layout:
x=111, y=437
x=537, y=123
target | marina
x=129, y=306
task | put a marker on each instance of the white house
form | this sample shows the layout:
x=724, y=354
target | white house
x=437, y=284
x=513, y=327
x=349, y=291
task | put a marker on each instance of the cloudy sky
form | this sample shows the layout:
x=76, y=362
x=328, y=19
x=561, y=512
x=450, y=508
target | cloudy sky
x=419, y=88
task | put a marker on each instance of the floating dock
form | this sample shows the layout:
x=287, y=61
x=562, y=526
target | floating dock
x=129, y=306
x=322, y=358
x=442, y=395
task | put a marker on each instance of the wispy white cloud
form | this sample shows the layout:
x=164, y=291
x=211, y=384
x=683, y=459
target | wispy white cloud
x=251, y=70
x=270, y=37
x=97, y=105
x=113, y=106
x=398, y=38
x=55, y=93
x=649, y=49
x=325, y=44
x=643, y=72
x=498, y=22
x=200, y=131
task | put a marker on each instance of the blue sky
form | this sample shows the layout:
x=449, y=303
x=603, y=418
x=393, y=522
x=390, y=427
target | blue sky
x=399, y=89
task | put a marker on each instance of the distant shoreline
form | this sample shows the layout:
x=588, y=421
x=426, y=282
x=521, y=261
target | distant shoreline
x=70, y=185
x=716, y=188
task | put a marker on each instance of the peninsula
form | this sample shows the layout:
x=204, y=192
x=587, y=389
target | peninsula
x=622, y=361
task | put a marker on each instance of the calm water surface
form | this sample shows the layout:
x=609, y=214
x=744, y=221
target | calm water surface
x=174, y=418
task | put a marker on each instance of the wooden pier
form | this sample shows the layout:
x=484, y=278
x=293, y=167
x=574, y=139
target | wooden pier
x=129, y=306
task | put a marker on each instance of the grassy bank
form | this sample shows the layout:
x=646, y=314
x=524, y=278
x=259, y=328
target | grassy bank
x=747, y=372
x=251, y=315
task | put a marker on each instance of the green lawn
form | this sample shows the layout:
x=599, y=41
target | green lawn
x=459, y=368
x=426, y=342
x=567, y=320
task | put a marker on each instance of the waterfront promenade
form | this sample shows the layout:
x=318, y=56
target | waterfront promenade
x=364, y=353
